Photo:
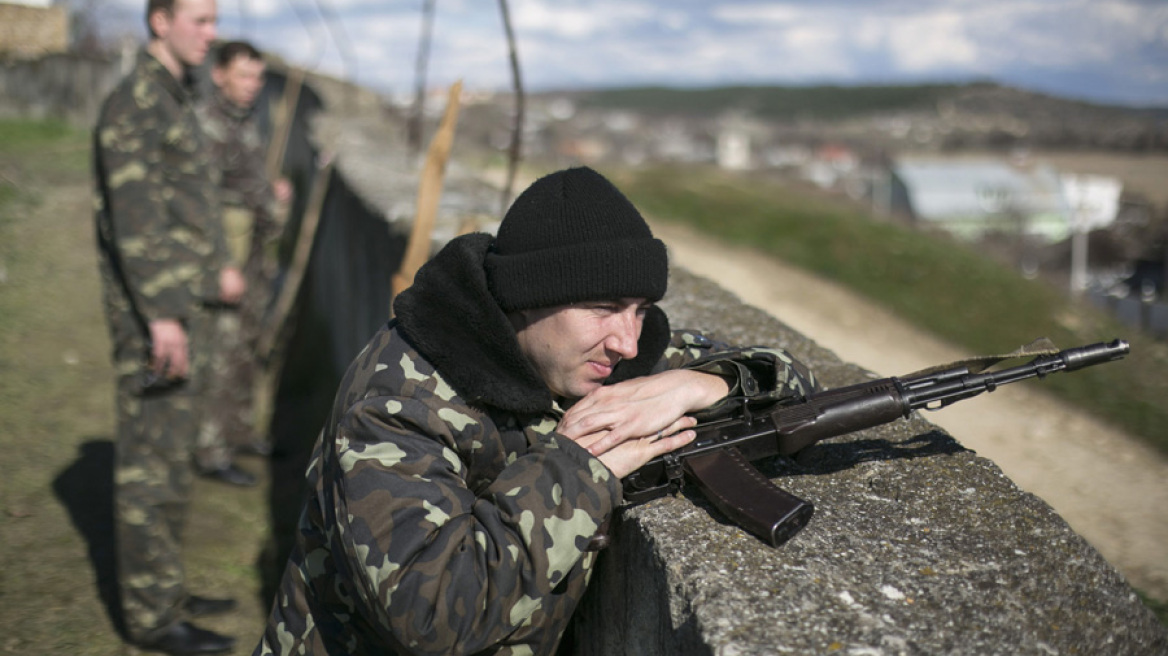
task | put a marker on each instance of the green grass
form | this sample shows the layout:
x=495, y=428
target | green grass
x=20, y=135
x=929, y=280
x=1160, y=608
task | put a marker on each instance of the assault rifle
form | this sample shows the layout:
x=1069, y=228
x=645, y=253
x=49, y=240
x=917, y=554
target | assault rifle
x=718, y=460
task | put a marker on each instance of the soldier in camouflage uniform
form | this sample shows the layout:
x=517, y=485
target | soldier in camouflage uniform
x=228, y=120
x=162, y=256
x=476, y=445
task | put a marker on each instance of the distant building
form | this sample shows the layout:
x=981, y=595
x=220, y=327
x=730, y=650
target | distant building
x=29, y=32
x=674, y=141
x=733, y=149
x=735, y=132
x=1092, y=200
x=971, y=197
x=830, y=164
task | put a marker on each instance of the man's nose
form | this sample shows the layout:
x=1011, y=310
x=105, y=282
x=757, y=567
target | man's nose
x=626, y=332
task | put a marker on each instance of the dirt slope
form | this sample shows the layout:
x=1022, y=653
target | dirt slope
x=1109, y=487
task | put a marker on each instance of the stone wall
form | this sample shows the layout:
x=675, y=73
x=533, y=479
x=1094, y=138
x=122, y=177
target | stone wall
x=29, y=32
x=62, y=86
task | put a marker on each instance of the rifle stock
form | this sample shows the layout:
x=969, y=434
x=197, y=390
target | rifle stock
x=717, y=461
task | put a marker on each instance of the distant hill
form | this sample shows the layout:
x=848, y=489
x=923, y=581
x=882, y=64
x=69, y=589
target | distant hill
x=976, y=114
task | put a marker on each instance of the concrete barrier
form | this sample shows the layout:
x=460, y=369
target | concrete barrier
x=918, y=546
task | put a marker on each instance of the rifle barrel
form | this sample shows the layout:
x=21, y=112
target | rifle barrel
x=789, y=427
x=1085, y=356
x=947, y=389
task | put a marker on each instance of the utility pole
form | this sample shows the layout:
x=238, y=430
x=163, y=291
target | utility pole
x=1092, y=201
x=1079, y=237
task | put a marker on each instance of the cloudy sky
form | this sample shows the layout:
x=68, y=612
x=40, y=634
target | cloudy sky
x=1109, y=51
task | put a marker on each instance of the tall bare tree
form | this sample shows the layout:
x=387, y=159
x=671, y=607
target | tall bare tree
x=84, y=31
x=517, y=128
x=414, y=130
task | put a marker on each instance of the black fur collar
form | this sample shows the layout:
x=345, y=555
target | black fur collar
x=450, y=317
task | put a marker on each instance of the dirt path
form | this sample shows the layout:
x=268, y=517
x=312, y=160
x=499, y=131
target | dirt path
x=1110, y=488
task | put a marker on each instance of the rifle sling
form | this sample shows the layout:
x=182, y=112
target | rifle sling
x=747, y=497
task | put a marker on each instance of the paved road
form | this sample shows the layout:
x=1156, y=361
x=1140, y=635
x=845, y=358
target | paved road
x=1110, y=488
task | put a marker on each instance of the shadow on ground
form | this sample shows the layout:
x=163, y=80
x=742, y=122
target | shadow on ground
x=86, y=489
x=830, y=457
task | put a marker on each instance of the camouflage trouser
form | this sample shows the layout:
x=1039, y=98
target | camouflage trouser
x=228, y=421
x=152, y=483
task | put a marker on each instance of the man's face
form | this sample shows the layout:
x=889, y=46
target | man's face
x=240, y=81
x=187, y=32
x=575, y=347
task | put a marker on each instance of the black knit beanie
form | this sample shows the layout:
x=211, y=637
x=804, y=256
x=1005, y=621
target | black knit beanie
x=572, y=236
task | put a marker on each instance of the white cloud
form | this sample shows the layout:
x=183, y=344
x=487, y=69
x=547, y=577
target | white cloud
x=932, y=42
x=263, y=8
x=579, y=21
x=567, y=42
x=753, y=14
x=568, y=23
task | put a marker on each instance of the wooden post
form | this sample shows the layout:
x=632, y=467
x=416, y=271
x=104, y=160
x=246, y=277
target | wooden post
x=429, y=191
x=282, y=123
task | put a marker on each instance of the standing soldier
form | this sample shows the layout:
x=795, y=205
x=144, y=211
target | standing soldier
x=248, y=197
x=162, y=259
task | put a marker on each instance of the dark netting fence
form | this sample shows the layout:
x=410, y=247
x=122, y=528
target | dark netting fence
x=343, y=298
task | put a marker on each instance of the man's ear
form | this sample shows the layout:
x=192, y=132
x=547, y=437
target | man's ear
x=218, y=75
x=160, y=23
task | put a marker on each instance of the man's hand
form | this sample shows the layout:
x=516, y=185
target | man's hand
x=169, y=356
x=628, y=456
x=627, y=424
x=282, y=190
x=231, y=285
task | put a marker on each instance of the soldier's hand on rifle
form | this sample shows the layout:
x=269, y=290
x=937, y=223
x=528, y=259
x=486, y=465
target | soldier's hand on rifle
x=629, y=423
x=168, y=349
x=630, y=455
x=231, y=285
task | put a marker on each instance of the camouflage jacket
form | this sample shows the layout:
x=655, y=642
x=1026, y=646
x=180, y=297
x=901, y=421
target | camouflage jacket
x=239, y=153
x=159, y=229
x=446, y=515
